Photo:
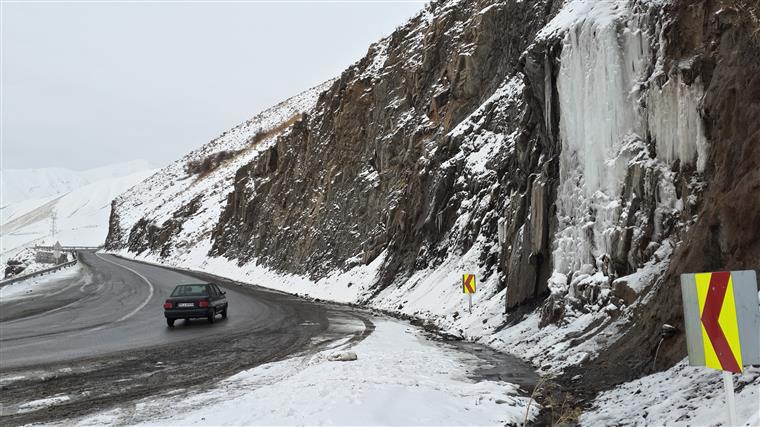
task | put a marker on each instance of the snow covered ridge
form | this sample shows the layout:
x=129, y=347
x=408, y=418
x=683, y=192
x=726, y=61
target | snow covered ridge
x=158, y=198
x=31, y=184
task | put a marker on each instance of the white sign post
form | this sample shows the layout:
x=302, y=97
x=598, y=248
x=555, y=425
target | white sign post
x=728, y=384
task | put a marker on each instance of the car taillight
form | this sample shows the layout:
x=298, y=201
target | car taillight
x=168, y=304
x=203, y=303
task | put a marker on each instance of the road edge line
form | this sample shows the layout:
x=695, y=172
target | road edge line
x=144, y=303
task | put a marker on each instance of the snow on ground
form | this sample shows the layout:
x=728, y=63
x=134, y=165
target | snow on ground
x=435, y=295
x=432, y=294
x=35, y=286
x=27, y=257
x=683, y=395
x=399, y=378
x=41, y=403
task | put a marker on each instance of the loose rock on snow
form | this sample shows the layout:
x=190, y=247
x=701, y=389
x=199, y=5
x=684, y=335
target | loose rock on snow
x=342, y=356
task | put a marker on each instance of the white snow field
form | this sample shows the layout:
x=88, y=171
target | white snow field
x=681, y=396
x=82, y=210
x=399, y=378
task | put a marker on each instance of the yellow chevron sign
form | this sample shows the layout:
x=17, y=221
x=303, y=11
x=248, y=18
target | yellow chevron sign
x=721, y=319
x=468, y=284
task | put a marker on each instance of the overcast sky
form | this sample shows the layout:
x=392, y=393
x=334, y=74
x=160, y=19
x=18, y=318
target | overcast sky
x=85, y=85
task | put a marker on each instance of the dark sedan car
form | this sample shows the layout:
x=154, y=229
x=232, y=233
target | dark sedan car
x=194, y=301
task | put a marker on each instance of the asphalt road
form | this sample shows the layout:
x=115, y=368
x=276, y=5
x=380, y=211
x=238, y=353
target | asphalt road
x=120, y=309
x=100, y=338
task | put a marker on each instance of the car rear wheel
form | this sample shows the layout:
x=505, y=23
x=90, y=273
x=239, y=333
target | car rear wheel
x=224, y=313
x=211, y=317
x=170, y=322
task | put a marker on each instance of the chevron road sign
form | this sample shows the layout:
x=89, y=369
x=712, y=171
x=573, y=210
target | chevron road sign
x=722, y=319
x=468, y=283
x=469, y=287
x=722, y=322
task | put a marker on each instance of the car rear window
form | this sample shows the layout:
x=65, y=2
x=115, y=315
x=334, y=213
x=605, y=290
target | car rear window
x=190, y=291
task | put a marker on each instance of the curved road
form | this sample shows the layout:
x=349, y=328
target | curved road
x=100, y=338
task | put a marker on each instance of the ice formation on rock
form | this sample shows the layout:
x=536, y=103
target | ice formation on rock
x=675, y=124
x=603, y=63
x=610, y=107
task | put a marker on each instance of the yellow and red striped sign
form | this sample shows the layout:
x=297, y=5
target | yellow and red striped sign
x=721, y=319
x=717, y=311
x=468, y=284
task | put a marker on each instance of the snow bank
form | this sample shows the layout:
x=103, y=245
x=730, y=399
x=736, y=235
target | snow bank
x=340, y=286
x=399, y=378
x=27, y=258
x=36, y=286
x=42, y=403
x=682, y=395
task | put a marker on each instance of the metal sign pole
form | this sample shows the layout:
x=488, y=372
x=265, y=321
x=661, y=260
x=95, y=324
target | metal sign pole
x=469, y=298
x=728, y=383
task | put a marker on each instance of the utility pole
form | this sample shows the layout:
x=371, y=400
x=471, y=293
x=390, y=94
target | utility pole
x=53, y=218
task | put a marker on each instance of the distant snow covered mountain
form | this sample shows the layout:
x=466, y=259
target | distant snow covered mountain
x=27, y=184
x=80, y=200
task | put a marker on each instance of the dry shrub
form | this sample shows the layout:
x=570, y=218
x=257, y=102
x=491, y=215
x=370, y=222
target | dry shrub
x=564, y=412
x=209, y=163
x=202, y=167
x=264, y=134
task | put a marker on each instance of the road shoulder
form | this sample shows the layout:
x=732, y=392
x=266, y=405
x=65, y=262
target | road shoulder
x=397, y=372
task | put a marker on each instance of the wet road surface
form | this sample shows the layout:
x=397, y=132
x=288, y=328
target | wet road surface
x=100, y=338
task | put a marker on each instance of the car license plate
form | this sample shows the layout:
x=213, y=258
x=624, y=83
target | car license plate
x=185, y=304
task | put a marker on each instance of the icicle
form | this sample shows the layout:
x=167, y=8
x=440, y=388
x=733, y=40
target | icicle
x=602, y=65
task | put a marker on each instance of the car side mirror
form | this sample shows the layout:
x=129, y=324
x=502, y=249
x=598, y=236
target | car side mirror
x=224, y=293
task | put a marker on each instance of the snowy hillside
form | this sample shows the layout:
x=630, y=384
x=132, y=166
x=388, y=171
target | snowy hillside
x=198, y=184
x=81, y=211
x=576, y=156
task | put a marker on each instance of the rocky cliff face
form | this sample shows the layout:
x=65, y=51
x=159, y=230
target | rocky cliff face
x=578, y=155
x=416, y=151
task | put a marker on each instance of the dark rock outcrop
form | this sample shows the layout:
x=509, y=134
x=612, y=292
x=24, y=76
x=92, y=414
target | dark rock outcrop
x=147, y=235
x=355, y=178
